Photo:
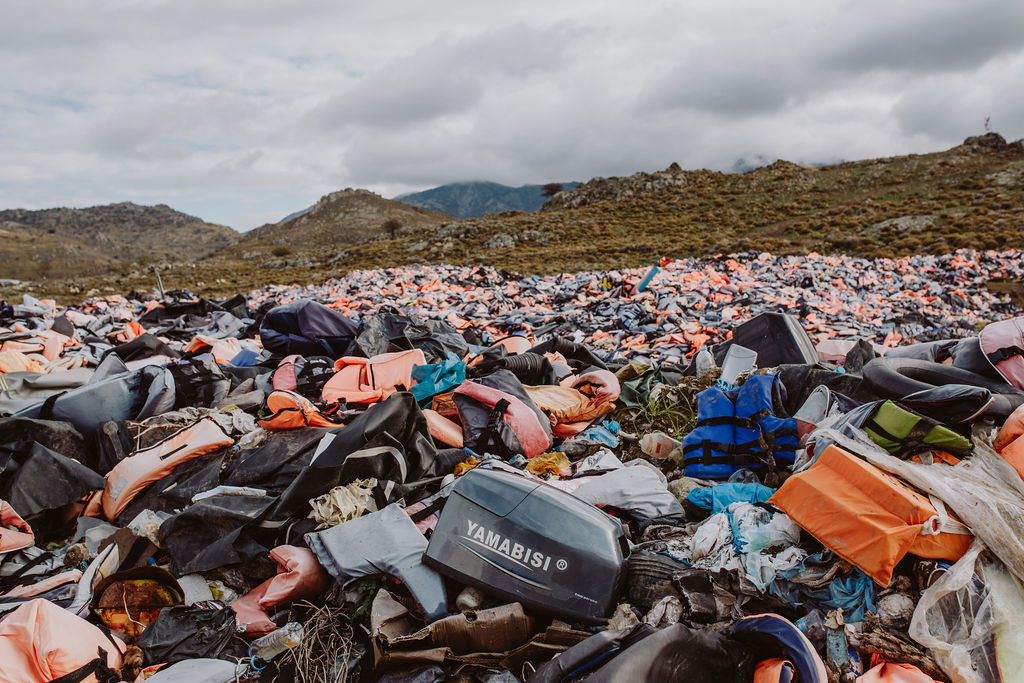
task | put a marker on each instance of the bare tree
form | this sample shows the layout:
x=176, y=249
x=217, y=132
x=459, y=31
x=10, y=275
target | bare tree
x=551, y=189
x=391, y=226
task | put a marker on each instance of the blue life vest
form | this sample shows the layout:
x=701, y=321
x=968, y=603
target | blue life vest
x=739, y=429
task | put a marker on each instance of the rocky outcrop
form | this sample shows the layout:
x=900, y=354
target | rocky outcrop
x=992, y=142
x=618, y=188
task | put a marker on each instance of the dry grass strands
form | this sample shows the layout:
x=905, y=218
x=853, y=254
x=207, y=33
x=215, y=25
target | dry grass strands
x=328, y=644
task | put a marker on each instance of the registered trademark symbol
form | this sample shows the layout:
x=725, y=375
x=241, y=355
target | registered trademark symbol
x=561, y=565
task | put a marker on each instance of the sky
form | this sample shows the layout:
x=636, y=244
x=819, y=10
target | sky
x=243, y=111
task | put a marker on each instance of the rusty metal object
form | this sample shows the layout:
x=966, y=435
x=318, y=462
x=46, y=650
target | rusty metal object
x=128, y=601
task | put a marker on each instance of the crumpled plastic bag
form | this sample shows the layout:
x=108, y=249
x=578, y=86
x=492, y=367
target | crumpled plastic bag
x=972, y=620
x=767, y=542
x=711, y=538
x=622, y=618
x=342, y=503
x=668, y=611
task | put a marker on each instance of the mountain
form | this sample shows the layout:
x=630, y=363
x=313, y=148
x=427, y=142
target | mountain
x=971, y=195
x=296, y=214
x=474, y=199
x=63, y=241
x=338, y=220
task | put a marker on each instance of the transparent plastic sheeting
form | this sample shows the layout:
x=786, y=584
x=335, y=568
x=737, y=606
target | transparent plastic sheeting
x=972, y=620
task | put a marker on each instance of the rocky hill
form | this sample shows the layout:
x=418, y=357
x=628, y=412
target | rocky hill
x=969, y=196
x=59, y=242
x=617, y=189
x=474, y=199
x=338, y=220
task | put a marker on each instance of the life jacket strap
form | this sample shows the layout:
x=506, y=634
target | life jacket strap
x=97, y=667
x=717, y=453
x=999, y=355
x=728, y=421
x=914, y=441
x=491, y=438
x=940, y=523
x=19, y=578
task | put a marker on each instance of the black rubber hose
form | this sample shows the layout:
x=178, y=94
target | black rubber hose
x=898, y=377
x=523, y=363
x=572, y=351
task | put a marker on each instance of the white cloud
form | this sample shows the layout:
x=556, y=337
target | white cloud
x=244, y=110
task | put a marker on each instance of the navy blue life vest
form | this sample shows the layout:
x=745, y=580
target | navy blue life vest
x=739, y=429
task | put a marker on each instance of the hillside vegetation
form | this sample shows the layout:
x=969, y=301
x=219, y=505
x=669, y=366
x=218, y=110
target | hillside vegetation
x=65, y=242
x=339, y=219
x=969, y=196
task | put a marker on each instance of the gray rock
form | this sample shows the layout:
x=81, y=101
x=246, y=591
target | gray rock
x=500, y=241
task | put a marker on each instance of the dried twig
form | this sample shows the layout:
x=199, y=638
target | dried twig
x=327, y=645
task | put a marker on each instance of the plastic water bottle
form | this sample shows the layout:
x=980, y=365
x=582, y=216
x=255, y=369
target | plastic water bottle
x=705, y=362
x=271, y=645
x=659, y=445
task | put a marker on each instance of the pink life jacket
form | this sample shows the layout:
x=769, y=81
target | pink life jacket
x=368, y=380
x=144, y=467
x=521, y=418
x=1002, y=343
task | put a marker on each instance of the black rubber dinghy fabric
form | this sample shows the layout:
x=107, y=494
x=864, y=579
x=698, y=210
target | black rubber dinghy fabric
x=307, y=328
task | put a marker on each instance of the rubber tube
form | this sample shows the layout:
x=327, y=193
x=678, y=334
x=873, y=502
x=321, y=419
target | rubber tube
x=898, y=377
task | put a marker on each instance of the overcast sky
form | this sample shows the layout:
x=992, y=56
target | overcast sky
x=241, y=112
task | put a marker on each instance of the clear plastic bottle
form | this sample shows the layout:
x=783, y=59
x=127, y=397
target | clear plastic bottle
x=271, y=645
x=659, y=445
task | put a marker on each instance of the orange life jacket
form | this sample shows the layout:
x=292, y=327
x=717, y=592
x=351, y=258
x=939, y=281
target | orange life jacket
x=12, y=360
x=868, y=517
x=299, y=576
x=889, y=672
x=442, y=429
x=368, y=380
x=1010, y=441
x=289, y=410
x=15, y=533
x=148, y=465
x=566, y=404
x=40, y=642
x=222, y=350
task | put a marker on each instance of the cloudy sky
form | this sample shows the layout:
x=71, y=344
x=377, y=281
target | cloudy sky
x=243, y=111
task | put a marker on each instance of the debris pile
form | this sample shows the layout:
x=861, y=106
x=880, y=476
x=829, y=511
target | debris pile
x=415, y=474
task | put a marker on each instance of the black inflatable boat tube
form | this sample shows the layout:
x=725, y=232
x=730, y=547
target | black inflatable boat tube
x=898, y=377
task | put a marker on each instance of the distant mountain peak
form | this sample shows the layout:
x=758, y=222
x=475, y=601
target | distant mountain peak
x=472, y=199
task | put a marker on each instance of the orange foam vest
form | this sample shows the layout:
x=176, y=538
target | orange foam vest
x=141, y=469
x=869, y=518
